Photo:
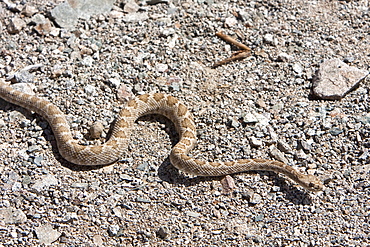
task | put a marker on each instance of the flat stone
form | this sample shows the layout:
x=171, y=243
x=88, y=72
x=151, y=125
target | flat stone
x=46, y=234
x=135, y=17
x=276, y=154
x=334, y=79
x=66, y=14
x=12, y=216
x=45, y=182
x=131, y=7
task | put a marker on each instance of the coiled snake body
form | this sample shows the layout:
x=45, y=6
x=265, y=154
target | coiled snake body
x=153, y=103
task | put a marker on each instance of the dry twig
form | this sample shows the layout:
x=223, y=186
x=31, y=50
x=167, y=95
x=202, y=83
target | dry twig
x=244, y=53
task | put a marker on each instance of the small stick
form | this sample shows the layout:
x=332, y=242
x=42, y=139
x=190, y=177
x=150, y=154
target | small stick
x=232, y=41
x=236, y=56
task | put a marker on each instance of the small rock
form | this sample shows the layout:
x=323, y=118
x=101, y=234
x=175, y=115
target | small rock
x=276, y=154
x=131, y=7
x=161, y=67
x=43, y=25
x=300, y=155
x=37, y=160
x=335, y=131
x=87, y=61
x=258, y=217
x=349, y=59
x=193, y=214
x=12, y=216
x=261, y=103
x=231, y=21
x=80, y=185
x=46, y=234
x=306, y=146
x=283, y=57
x=163, y=232
x=114, y=14
x=113, y=230
x=234, y=123
x=98, y=240
x=255, y=142
x=142, y=166
x=96, y=130
x=90, y=90
x=67, y=13
x=144, y=200
x=57, y=71
x=124, y=93
x=45, y=182
x=250, y=118
x=115, y=82
x=284, y=147
x=16, y=25
x=297, y=68
x=2, y=123
x=268, y=39
x=255, y=199
x=135, y=17
x=29, y=10
x=228, y=184
x=334, y=79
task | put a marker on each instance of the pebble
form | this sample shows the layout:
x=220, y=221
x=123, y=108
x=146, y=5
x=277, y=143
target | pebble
x=114, y=82
x=228, y=184
x=284, y=57
x=37, y=160
x=258, y=217
x=255, y=199
x=300, y=155
x=66, y=15
x=269, y=39
x=16, y=25
x=334, y=79
x=255, y=142
x=231, y=21
x=163, y=232
x=42, y=24
x=113, y=230
x=29, y=10
x=46, y=234
x=284, y=147
x=96, y=130
x=297, y=68
x=12, y=216
x=193, y=214
x=131, y=6
x=135, y=17
x=250, y=118
x=2, y=123
x=45, y=182
x=276, y=154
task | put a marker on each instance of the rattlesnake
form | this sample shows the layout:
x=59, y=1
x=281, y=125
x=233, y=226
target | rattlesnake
x=153, y=103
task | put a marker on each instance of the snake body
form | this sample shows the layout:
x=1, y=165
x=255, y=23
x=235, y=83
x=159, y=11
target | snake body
x=115, y=146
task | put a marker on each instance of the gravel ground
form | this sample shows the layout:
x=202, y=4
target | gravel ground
x=259, y=107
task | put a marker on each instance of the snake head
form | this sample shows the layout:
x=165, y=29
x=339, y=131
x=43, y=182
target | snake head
x=312, y=183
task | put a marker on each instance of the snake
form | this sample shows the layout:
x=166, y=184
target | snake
x=116, y=145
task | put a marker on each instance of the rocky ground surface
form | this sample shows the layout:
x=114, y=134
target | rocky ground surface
x=259, y=107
